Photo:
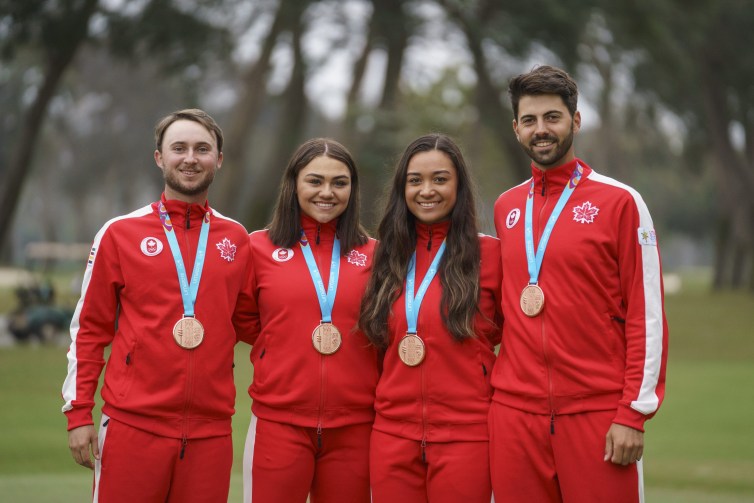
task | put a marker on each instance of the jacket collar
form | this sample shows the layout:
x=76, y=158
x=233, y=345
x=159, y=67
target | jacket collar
x=555, y=179
x=319, y=233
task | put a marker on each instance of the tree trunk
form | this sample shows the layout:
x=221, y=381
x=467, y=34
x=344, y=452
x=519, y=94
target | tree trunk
x=494, y=115
x=289, y=136
x=236, y=171
x=58, y=60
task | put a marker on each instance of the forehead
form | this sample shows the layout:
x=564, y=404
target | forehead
x=430, y=161
x=325, y=166
x=187, y=131
x=540, y=104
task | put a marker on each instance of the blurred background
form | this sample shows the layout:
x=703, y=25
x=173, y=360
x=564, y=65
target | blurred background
x=666, y=96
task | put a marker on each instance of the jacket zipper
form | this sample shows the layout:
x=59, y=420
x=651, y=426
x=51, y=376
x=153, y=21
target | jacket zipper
x=429, y=243
x=424, y=417
x=548, y=366
x=190, y=373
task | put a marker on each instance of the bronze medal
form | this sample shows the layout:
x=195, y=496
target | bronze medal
x=188, y=333
x=411, y=350
x=532, y=300
x=326, y=338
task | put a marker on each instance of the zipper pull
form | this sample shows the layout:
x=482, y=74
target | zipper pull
x=188, y=217
x=424, y=451
x=316, y=241
x=319, y=436
x=429, y=243
x=184, y=442
x=552, y=423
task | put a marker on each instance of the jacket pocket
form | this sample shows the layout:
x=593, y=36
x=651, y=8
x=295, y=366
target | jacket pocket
x=126, y=371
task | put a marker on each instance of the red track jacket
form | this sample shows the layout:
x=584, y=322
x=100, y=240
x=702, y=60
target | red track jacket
x=601, y=341
x=447, y=396
x=130, y=299
x=293, y=383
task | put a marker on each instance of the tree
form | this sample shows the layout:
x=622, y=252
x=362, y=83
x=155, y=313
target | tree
x=692, y=63
x=58, y=31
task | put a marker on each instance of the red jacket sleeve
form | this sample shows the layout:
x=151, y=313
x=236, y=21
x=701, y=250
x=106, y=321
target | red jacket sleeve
x=246, y=313
x=92, y=329
x=646, y=326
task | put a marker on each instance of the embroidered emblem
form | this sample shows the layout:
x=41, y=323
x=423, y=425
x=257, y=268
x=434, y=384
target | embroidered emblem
x=512, y=218
x=647, y=237
x=227, y=249
x=357, y=258
x=282, y=255
x=585, y=213
x=150, y=246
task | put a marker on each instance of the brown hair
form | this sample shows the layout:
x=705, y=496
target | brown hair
x=459, y=266
x=285, y=227
x=191, y=114
x=544, y=80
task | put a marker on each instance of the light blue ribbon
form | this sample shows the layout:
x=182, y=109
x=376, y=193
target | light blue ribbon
x=188, y=291
x=535, y=262
x=326, y=298
x=412, y=313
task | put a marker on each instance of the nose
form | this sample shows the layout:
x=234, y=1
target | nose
x=426, y=190
x=190, y=158
x=326, y=190
x=541, y=127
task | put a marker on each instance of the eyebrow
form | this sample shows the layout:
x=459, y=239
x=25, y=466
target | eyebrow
x=317, y=175
x=415, y=173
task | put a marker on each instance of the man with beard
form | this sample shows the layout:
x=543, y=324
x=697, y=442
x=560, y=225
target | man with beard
x=584, y=349
x=166, y=287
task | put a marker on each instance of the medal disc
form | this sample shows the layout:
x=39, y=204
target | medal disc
x=532, y=300
x=188, y=333
x=411, y=350
x=326, y=338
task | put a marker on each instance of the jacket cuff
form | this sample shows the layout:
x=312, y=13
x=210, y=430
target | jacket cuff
x=79, y=417
x=629, y=417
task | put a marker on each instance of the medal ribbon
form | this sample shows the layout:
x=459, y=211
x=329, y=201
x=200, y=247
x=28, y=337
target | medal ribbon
x=535, y=262
x=412, y=314
x=188, y=291
x=326, y=298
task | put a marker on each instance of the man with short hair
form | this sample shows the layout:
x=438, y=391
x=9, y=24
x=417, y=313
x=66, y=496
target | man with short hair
x=584, y=349
x=161, y=288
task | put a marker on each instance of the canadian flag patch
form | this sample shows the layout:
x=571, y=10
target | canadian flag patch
x=227, y=249
x=356, y=258
x=585, y=213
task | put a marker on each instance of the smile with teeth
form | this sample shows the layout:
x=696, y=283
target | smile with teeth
x=543, y=143
x=325, y=206
x=429, y=205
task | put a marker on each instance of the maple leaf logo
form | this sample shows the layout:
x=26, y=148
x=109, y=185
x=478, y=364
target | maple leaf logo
x=357, y=258
x=585, y=213
x=227, y=249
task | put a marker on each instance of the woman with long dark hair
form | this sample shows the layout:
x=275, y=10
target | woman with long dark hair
x=432, y=307
x=314, y=371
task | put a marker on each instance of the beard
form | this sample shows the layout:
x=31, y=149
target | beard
x=198, y=187
x=554, y=156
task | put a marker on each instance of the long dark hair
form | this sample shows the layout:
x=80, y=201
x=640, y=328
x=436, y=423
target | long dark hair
x=459, y=267
x=285, y=228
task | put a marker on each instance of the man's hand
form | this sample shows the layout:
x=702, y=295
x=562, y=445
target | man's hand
x=623, y=445
x=82, y=441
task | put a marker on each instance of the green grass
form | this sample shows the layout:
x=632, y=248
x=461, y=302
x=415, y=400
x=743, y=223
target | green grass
x=700, y=447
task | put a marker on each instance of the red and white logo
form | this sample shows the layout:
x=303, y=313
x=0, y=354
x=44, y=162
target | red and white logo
x=585, y=213
x=282, y=255
x=151, y=246
x=512, y=218
x=357, y=258
x=227, y=249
